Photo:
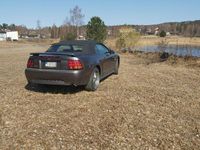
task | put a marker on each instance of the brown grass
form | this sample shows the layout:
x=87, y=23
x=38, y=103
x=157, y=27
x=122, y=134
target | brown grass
x=154, y=40
x=154, y=106
x=172, y=40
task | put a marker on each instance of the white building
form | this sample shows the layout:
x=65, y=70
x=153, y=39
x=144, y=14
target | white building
x=12, y=35
x=2, y=36
x=9, y=35
x=80, y=37
x=168, y=33
x=157, y=31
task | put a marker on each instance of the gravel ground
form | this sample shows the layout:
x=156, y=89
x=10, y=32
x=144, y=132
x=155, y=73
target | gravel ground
x=147, y=106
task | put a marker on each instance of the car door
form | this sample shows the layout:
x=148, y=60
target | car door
x=112, y=58
x=105, y=59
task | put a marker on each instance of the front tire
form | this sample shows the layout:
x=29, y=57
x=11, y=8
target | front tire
x=116, y=70
x=94, y=81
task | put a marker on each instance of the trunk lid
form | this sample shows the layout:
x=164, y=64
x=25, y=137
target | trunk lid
x=51, y=60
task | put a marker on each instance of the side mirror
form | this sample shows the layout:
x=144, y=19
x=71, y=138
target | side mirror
x=111, y=51
x=108, y=52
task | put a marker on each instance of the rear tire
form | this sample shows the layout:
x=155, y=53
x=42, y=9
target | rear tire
x=32, y=85
x=35, y=85
x=94, y=80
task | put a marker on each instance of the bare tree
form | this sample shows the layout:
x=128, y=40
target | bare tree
x=76, y=18
x=72, y=23
x=68, y=25
x=38, y=24
x=39, y=27
x=54, y=32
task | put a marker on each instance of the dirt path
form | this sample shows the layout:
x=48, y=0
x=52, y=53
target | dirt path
x=155, y=106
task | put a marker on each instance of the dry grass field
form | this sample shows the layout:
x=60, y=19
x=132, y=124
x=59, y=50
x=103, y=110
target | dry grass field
x=147, y=106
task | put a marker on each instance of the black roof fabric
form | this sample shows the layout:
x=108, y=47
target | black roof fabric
x=89, y=45
x=86, y=42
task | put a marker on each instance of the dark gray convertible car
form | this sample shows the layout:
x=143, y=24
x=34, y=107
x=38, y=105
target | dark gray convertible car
x=72, y=63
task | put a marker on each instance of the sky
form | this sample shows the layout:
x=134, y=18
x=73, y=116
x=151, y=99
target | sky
x=112, y=12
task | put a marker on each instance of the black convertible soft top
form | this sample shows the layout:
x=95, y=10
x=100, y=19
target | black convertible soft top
x=85, y=42
x=88, y=45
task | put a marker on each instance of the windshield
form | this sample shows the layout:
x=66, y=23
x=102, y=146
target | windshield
x=65, y=48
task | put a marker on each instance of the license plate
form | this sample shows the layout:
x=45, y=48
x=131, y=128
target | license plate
x=50, y=64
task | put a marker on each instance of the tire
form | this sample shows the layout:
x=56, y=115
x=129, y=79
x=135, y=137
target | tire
x=35, y=85
x=30, y=84
x=94, y=80
x=116, y=70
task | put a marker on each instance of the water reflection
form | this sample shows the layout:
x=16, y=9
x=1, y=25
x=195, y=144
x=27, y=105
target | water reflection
x=180, y=50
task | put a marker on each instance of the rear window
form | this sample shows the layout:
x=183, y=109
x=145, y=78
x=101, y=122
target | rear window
x=65, y=48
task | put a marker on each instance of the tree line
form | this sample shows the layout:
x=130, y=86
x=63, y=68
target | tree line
x=187, y=28
x=5, y=26
x=74, y=25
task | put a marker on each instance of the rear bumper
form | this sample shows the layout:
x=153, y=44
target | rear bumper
x=57, y=77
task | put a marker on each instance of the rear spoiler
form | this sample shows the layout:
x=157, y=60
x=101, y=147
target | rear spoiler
x=52, y=53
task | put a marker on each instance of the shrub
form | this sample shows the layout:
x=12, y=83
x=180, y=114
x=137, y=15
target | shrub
x=163, y=34
x=69, y=36
x=162, y=45
x=128, y=38
x=120, y=43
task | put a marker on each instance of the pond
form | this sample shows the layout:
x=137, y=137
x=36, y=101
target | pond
x=180, y=50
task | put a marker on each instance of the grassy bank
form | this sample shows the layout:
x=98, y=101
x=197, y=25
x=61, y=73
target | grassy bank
x=154, y=40
x=150, y=58
x=172, y=40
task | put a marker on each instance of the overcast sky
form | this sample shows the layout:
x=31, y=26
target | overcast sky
x=113, y=12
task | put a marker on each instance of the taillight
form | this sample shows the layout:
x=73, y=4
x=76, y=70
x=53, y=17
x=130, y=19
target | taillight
x=74, y=64
x=30, y=63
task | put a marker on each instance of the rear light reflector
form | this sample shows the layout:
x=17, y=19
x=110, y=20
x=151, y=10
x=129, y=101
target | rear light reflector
x=74, y=64
x=30, y=63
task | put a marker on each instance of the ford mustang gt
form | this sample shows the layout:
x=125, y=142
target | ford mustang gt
x=72, y=63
